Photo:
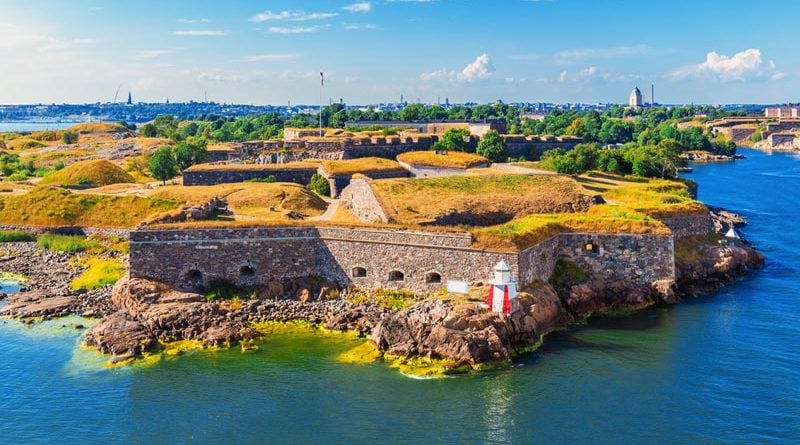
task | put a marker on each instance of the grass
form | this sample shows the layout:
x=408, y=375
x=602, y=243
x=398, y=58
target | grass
x=24, y=143
x=489, y=197
x=93, y=173
x=386, y=298
x=360, y=165
x=453, y=159
x=657, y=198
x=99, y=272
x=14, y=236
x=65, y=243
x=45, y=206
x=97, y=127
x=260, y=200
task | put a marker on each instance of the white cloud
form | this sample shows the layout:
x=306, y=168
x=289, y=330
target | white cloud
x=359, y=26
x=277, y=57
x=150, y=53
x=202, y=32
x=744, y=65
x=292, y=16
x=192, y=21
x=480, y=69
x=218, y=76
x=296, y=29
x=359, y=7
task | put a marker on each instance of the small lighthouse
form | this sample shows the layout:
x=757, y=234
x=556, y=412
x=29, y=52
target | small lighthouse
x=502, y=290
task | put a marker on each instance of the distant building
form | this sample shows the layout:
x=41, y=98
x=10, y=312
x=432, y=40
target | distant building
x=130, y=99
x=437, y=126
x=635, y=101
x=784, y=111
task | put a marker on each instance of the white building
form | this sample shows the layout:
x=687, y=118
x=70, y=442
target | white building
x=635, y=101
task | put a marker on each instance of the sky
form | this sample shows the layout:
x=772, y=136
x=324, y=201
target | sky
x=272, y=51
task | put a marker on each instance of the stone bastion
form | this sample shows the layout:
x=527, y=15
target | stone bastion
x=383, y=258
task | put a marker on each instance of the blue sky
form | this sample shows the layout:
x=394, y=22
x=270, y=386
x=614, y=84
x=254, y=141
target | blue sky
x=371, y=51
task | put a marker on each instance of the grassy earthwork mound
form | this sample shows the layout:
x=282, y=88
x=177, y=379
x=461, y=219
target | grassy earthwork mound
x=93, y=173
x=453, y=159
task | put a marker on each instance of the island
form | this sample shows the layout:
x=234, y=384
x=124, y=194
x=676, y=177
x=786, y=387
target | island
x=397, y=236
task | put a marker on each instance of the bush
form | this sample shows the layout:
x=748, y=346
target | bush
x=319, y=185
x=567, y=273
x=69, y=137
x=268, y=179
x=14, y=236
x=492, y=147
x=64, y=243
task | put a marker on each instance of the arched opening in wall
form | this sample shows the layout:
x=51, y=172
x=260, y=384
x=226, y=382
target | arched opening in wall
x=359, y=272
x=247, y=271
x=193, y=275
x=433, y=278
x=396, y=275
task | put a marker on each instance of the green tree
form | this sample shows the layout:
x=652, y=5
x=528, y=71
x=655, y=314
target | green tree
x=412, y=112
x=69, y=137
x=453, y=139
x=149, y=131
x=163, y=165
x=190, y=152
x=319, y=185
x=493, y=147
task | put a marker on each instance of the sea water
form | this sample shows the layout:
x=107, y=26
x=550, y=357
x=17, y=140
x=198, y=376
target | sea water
x=721, y=368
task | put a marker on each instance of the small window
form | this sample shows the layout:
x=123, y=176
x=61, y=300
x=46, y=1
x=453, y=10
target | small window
x=396, y=276
x=247, y=271
x=433, y=278
x=359, y=272
x=193, y=275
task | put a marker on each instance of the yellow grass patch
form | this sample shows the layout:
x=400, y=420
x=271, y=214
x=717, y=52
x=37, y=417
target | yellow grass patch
x=97, y=173
x=657, y=198
x=97, y=127
x=24, y=143
x=99, y=272
x=453, y=159
x=53, y=207
x=360, y=165
x=423, y=201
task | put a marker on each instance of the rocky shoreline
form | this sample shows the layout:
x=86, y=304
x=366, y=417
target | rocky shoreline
x=137, y=316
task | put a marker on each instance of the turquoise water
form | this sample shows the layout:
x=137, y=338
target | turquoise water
x=716, y=369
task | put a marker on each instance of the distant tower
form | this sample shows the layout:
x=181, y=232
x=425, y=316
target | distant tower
x=130, y=100
x=635, y=101
x=652, y=94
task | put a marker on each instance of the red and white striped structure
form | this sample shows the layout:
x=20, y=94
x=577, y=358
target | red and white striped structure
x=502, y=298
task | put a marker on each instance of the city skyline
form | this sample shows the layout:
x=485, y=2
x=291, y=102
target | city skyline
x=374, y=51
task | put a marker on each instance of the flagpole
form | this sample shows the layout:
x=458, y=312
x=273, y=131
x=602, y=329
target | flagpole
x=321, y=83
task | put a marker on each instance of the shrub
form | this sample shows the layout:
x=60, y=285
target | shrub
x=268, y=179
x=13, y=236
x=319, y=185
x=64, y=243
x=222, y=289
x=567, y=273
x=492, y=147
x=69, y=137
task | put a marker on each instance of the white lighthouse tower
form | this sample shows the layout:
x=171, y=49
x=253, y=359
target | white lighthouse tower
x=502, y=296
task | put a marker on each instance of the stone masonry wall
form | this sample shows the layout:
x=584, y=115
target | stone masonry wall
x=359, y=198
x=417, y=261
x=639, y=259
x=230, y=176
x=689, y=225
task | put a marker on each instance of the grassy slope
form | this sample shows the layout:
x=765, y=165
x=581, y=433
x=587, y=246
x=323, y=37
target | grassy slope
x=452, y=159
x=360, y=165
x=52, y=207
x=419, y=201
x=96, y=173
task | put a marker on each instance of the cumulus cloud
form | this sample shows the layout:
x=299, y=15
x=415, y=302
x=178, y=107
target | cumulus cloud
x=744, y=65
x=202, y=32
x=291, y=16
x=359, y=7
x=296, y=29
x=480, y=69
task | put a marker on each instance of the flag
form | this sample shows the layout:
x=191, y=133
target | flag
x=321, y=79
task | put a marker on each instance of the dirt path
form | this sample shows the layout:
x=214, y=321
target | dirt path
x=333, y=206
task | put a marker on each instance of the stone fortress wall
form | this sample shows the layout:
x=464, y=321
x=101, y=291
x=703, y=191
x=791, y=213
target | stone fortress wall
x=386, y=258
